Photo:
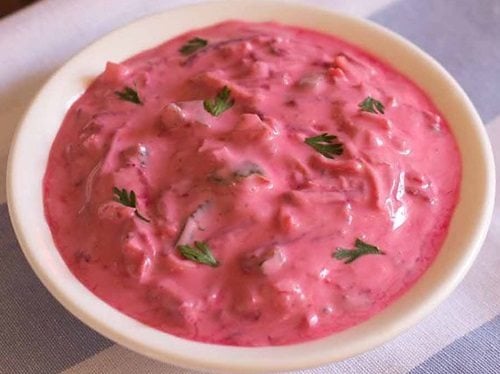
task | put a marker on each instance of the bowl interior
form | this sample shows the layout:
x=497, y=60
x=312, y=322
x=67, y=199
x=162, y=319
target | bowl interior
x=34, y=137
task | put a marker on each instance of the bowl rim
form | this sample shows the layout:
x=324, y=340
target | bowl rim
x=46, y=261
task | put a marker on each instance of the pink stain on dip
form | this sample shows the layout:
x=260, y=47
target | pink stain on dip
x=271, y=208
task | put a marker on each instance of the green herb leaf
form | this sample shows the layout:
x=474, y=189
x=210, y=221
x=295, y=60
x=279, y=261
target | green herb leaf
x=361, y=249
x=371, y=105
x=129, y=200
x=193, y=45
x=200, y=253
x=325, y=144
x=220, y=104
x=129, y=94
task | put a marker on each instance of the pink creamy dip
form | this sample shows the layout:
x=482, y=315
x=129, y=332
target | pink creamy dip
x=270, y=207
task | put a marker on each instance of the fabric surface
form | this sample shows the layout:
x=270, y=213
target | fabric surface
x=37, y=335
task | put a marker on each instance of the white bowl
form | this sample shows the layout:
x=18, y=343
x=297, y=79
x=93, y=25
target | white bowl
x=36, y=132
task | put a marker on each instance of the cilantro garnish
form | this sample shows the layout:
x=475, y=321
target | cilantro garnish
x=129, y=200
x=193, y=45
x=361, y=249
x=371, y=105
x=220, y=104
x=129, y=94
x=325, y=144
x=200, y=253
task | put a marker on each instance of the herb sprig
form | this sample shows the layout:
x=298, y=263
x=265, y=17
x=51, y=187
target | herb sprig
x=199, y=253
x=222, y=102
x=369, y=104
x=193, y=45
x=326, y=144
x=129, y=94
x=129, y=200
x=361, y=248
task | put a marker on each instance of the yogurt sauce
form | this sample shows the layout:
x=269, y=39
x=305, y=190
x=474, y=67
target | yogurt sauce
x=251, y=184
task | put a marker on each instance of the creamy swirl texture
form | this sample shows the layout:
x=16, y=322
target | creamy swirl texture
x=251, y=184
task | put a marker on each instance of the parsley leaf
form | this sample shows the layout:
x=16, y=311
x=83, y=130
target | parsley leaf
x=220, y=104
x=371, y=105
x=129, y=200
x=200, y=253
x=193, y=45
x=129, y=94
x=325, y=144
x=361, y=249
